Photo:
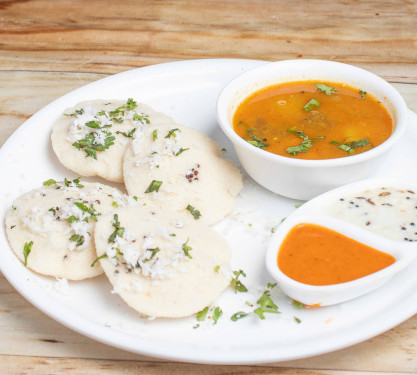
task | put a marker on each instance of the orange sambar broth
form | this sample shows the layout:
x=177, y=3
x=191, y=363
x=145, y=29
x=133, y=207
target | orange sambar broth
x=341, y=117
x=315, y=255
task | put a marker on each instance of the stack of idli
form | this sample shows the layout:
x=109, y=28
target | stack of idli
x=154, y=244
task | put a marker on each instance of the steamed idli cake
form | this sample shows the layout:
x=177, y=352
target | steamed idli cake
x=161, y=264
x=181, y=168
x=51, y=228
x=91, y=138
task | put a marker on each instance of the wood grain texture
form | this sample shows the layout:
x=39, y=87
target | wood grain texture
x=104, y=37
x=59, y=366
x=48, y=48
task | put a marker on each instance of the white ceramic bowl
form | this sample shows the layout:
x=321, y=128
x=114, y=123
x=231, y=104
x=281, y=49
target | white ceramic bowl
x=315, y=212
x=305, y=179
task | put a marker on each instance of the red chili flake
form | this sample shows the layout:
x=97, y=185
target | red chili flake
x=368, y=223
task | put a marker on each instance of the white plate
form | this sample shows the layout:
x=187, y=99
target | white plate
x=187, y=91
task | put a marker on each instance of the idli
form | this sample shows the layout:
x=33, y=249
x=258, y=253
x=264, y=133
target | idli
x=183, y=169
x=51, y=228
x=91, y=138
x=161, y=264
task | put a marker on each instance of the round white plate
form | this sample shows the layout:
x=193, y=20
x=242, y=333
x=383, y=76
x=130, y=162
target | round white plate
x=187, y=91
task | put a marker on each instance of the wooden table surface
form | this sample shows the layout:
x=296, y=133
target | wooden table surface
x=48, y=48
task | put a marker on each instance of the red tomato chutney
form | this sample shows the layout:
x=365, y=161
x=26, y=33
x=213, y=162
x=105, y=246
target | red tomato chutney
x=315, y=255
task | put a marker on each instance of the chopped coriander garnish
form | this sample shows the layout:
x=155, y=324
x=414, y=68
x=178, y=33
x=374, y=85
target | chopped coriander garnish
x=97, y=259
x=76, y=181
x=154, y=186
x=90, y=148
x=173, y=235
x=93, y=125
x=299, y=133
x=115, y=204
x=181, y=150
x=257, y=142
x=271, y=286
x=27, y=248
x=49, y=182
x=217, y=314
x=171, y=133
x=90, y=210
x=193, y=211
x=52, y=210
x=201, y=315
x=217, y=268
x=154, y=251
x=155, y=135
x=297, y=304
x=140, y=118
x=313, y=103
x=298, y=321
x=305, y=145
x=350, y=146
x=127, y=135
x=224, y=150
x=297, y=205
x=67, y=183
x=131, y=104
x=118, y=230
x=238, y=315
x=361, y=143
x=77, y=238
x=236, y=284
x=363, y=94
x=187, y=249
x=266, y=305
x=14, y=208
x=72, y=218
x=135, y=197
x=326, y=89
